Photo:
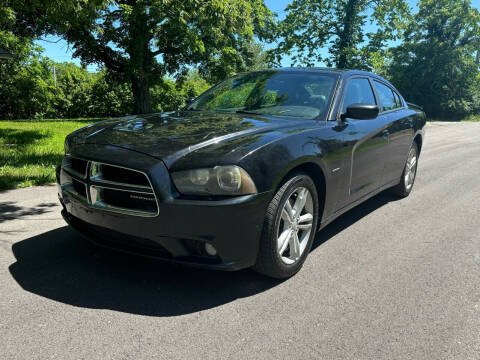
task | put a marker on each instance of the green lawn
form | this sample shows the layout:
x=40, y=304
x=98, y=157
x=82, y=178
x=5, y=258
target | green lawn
x=468, y=118
x=472, y=118
x=30, y=150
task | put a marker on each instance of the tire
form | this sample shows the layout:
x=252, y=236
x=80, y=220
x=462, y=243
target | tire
x=278, y=229
x=404, y=188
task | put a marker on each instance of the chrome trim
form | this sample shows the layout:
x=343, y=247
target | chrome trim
x=99, y=204
x=69, y=189
x=97, y=183
x=73, y=172
x=125, y=190
x=102, y=206
x=97, y=178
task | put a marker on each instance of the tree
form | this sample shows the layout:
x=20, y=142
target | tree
x=141, y=41
x=72, y=89
x=29, y=90
x=109, y=97
x=437, y=65
x=252, y=57
x=171, y=95
x=24, y=86
x=312, y=25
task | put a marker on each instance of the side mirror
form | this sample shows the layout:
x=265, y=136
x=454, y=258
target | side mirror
x=189, y=101
x=361, y=112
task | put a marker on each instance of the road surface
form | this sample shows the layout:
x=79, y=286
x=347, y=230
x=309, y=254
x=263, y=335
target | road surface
x=388, y=280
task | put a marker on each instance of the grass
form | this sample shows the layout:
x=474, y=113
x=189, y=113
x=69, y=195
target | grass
x=30, y=150
x=467, y=118
x=472, y=118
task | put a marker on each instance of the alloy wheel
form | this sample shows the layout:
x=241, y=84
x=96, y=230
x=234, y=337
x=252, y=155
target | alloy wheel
x=410, y=168
x=295, y=225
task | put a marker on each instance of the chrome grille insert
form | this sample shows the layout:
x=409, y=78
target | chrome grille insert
x=80, y=188
x=76, y=188
x=126, y=201
x=112, y=174
x=109, y=187
x=75, y=166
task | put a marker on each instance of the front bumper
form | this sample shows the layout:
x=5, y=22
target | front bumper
x=182, y=227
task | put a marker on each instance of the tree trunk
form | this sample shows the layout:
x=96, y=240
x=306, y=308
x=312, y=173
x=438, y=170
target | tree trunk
x=141, y=95
x=346, y=37
x=342, y=61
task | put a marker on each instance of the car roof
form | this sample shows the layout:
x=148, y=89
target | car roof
x=343, y=72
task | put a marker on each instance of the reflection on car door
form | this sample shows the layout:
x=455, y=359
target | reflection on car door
x=400, y=133
x=366, y=142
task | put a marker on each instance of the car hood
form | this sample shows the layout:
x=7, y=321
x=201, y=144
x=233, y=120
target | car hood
x=169, y=136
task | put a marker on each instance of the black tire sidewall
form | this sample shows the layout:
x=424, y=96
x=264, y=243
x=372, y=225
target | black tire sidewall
x=400, y=190
x=282, y=269
x=404, y=185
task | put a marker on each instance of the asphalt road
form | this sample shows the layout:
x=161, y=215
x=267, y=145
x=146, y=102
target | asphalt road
x=388, y=280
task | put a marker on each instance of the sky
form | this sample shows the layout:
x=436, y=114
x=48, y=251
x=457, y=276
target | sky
x=60, y=51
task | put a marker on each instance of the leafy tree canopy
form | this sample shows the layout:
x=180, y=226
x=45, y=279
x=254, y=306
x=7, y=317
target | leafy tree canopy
x=140, y=41
x=438, y=63
x=339, y=25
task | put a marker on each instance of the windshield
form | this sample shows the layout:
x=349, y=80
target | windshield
x=305, y=95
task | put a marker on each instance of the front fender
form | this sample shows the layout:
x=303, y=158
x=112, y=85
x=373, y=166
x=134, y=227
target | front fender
x=321, y=147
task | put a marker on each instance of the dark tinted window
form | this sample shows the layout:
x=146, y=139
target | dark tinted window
x=398, y=100
x=387, y=99
x=358, y=91
x=280, y=93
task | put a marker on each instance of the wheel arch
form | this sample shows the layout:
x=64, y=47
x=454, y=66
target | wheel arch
x=419, y=141
x=316, y=173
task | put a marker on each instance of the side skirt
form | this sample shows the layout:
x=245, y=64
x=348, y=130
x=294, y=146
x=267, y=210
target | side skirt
x=350, y=206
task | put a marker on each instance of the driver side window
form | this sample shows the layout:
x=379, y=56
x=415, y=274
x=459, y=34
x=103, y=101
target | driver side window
x=358, y=91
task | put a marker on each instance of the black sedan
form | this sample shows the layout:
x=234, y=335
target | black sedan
x=247, y=173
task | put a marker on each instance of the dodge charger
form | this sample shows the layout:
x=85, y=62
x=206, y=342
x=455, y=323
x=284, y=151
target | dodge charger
x=247, y=173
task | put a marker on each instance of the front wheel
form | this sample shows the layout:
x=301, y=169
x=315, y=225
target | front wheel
x=289, y=228
x=405, y=186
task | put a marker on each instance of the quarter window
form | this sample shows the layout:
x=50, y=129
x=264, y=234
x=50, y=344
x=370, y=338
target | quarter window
x=386, y=97
x=358, y=91
x=398, y=100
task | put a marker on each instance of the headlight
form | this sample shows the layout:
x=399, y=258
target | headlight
x=220, y=180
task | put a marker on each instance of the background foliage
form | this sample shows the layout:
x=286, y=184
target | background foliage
x=437, y=65
x=155, y=54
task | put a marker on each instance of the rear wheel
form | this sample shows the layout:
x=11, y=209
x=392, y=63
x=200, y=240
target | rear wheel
x=289, y=228
x=405, y=186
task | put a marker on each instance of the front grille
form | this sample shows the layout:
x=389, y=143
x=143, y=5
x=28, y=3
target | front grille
x=119, y=175
x=126, y=199
x=109, y=187
x=80, y=188
x=75, y=166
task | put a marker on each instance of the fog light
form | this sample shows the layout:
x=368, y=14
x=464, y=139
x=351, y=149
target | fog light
x=210, y=249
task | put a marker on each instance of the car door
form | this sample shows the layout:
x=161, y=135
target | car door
x=400, y=130
x=366, y=142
